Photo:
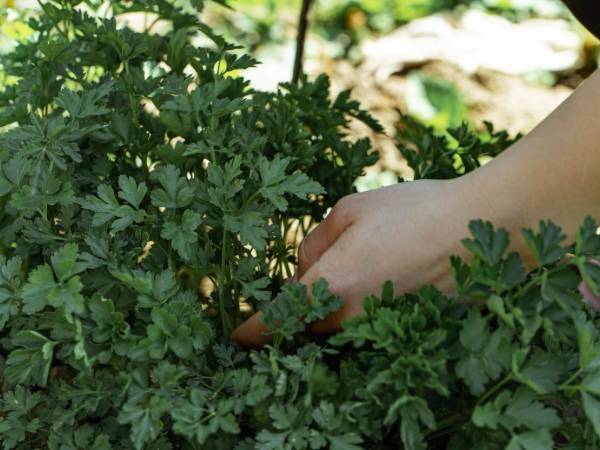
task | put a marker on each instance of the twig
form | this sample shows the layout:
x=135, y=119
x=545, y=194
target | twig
x=300, y=40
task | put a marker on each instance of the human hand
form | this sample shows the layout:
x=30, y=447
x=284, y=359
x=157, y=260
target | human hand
x=403, y=233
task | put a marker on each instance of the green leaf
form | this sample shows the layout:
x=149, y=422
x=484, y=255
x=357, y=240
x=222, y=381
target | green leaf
x=487, y=244
x=107, y=209
x=588, y=240
x=252, y=226
x=515, y=412
x=145, y=422
x=64, y=262
x=532, y=440
x=132, y=192
x=29, y=364
x=471, y=370
x=10, y=282
x=591, y=407
x=591, y=383
x=35, y=292
x=524, y=411
x=542, y=372
x=176, y=191
x=182, y=235
x=489, y=414
x=58, y=288
x=474, y=330
x=276, y=182
x=546, y=245
x=81, y=105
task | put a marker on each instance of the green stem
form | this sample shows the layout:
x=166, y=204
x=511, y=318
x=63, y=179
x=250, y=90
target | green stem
x=494, y=389
x=570, y=380
x=225, y=317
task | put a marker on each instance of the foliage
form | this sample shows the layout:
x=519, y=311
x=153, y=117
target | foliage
x=449, y=155
x=149, y=194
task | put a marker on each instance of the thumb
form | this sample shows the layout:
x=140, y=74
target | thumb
x=324, y=236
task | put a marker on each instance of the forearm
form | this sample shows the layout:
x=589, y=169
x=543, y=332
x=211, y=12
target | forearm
x=552, y=173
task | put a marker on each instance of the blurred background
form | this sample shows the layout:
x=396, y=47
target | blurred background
x=445, y=62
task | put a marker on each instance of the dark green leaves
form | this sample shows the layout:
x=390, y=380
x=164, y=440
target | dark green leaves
x=145, y=421
x=29, y=363
x=107, y=208
x=487, y=244
x=85, y=104
x=10, y=281
x=198, y=418
x=276, y=182
x=182, y=235
x=546, y=245
x=57, y=285
x=486, y=356
x=16, y=424
x=175, y=191
x=491, y=268
x=514, y=411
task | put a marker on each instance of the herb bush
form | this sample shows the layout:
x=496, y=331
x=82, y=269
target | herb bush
x=151, y=199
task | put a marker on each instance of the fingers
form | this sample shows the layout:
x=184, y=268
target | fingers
x=340, y=268
x=324, y=236
x=250, y=333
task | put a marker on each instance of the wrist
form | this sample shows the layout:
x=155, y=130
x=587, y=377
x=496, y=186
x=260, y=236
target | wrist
x=488, y=195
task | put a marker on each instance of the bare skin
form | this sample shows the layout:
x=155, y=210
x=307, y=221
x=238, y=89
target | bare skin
x=407, y=232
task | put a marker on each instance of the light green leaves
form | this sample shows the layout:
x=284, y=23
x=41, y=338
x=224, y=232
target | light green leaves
x=57, y=285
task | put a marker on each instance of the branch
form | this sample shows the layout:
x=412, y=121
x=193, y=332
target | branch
x=300, y=40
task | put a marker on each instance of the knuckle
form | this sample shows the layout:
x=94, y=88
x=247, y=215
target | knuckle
x=345, y=207
x=302, y=255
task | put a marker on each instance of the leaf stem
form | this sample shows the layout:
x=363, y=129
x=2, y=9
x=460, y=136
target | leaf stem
x=225, y=317
x=494, y=389
x=570, y=380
